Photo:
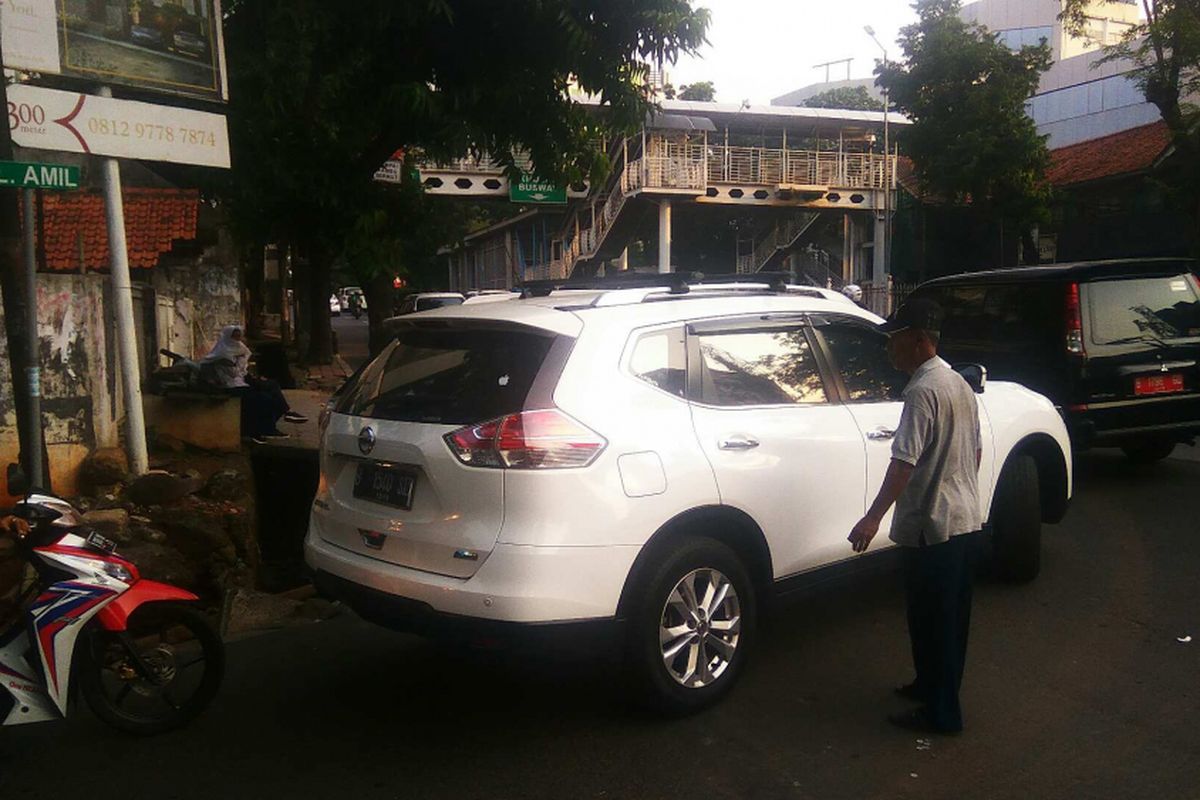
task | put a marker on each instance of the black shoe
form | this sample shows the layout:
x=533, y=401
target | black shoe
x=918, y=721
x=909, y=691
x=295, y=418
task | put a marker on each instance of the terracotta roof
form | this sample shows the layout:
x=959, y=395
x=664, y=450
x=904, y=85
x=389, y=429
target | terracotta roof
x=76, y=234
x=1125, y=153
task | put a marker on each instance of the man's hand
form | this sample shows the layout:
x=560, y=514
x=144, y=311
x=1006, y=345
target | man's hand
x=862, y=534
x=14, y=526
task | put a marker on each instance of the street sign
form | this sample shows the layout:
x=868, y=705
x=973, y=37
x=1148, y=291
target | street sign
x=531, y=190
x=38, y=176
x=50, y=119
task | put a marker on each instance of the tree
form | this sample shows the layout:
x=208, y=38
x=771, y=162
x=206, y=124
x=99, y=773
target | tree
x=1164, y=51
x=320, y=98
x=700, y=91
x=970, y=140
x=852, y=98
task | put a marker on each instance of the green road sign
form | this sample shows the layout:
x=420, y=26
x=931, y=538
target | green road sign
x=530, y=190
x=38, y=176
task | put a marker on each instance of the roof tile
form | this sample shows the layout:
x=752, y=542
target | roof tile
x=1125, y=153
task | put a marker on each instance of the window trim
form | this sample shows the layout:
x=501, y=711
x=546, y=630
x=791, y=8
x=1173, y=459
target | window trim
x=758, y=323
x=635, y=337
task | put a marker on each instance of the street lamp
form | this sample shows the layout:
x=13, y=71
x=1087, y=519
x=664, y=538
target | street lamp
x=887, y=177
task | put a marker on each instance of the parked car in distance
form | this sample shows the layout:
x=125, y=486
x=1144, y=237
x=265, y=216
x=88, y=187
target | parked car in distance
x=1114, y=344
x=146, y=36
x=639, y=464
x=426, y=301
x=335, y=305
x=190, y=44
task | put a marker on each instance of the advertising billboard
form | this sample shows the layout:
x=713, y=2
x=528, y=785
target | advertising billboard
x=170, y=46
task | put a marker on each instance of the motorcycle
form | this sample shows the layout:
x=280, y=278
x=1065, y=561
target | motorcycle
x=142, y=655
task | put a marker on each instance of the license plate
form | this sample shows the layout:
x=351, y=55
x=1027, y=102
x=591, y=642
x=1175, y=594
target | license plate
x=386, y=484
x=100, y=544
x=1167, y=383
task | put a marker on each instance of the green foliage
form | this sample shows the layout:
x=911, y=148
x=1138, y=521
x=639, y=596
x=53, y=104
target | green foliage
x=852, y=98
x=965, y=93
x=322, y=94
x=700, y=91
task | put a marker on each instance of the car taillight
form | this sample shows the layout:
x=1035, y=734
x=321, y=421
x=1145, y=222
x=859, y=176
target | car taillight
x=545, y=439
x=1074, y=321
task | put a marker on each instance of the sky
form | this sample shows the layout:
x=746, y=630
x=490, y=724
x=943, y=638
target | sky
x=760, y=49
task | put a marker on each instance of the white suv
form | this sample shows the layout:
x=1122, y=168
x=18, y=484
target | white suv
x=659, y=462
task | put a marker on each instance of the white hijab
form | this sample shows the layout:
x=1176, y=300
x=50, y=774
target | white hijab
x=229, y=348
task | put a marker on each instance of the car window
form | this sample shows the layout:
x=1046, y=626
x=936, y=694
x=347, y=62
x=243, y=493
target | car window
x=426, y=303
x=1003, y=317
x=660, y=359
x=1143, y=308
x=861, y=355
x=449, y=376
x=759, y=368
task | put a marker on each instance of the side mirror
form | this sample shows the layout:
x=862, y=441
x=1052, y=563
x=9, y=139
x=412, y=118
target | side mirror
x=18, y=482
x=974, y=374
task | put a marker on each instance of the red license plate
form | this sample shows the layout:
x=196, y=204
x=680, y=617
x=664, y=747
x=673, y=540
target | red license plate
x=1158, y=384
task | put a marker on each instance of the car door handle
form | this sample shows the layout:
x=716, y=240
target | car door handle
x=740, y=443
x=881, y=434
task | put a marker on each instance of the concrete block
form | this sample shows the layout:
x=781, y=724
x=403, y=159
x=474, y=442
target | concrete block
x=207, y=423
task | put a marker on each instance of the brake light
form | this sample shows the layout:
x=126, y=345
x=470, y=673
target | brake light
x=1074, y=321
x=544, y=439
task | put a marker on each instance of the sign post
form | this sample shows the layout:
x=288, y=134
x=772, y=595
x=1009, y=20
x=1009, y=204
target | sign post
x=114, y=208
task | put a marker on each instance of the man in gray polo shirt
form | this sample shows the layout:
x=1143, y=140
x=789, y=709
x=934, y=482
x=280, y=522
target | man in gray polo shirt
x=933, y=480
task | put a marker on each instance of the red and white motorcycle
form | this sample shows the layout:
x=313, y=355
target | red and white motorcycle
x=143, y=657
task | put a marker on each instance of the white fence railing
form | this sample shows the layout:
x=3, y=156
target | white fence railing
x=767, y=166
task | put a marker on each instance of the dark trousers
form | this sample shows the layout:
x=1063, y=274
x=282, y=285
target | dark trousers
x=938, y=587
x=262, y=405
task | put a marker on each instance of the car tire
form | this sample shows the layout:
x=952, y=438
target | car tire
x=1017, y=522
x=1149, y=451
x=707, y=660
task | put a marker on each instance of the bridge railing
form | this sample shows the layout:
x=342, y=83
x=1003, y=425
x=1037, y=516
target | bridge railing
x=768, y=166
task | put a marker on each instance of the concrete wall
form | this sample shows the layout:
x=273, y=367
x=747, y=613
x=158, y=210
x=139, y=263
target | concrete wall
x=82, y=407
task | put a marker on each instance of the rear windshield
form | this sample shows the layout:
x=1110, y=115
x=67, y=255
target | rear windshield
x=449, y=376
x=1123, y=311
x=426, y=303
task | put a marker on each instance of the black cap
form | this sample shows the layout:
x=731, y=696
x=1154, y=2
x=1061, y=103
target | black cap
x=920, y=313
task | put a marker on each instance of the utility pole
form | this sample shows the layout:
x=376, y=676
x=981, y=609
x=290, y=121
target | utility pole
x=20, y=317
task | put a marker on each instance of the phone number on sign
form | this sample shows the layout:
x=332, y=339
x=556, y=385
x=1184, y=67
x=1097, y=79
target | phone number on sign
x=151, y=132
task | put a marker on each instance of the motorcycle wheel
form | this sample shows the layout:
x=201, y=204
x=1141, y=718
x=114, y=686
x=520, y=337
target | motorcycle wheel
x=182, y=662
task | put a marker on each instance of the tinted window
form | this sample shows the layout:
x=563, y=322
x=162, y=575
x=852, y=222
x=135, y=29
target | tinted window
x=449, y=377
x=759, y=368
x=1128, y=310
x=861, y=356
x=660, y=359
x=426, y=303
x=1000, y=316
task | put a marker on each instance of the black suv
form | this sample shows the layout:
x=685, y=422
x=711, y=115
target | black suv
x=1114, y=344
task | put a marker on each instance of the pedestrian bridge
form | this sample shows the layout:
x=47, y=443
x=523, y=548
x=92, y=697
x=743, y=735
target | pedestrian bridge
x=810, y=160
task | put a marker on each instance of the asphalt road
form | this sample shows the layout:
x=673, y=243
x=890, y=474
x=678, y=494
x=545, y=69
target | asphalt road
x=352, y=338
x=1076, y=687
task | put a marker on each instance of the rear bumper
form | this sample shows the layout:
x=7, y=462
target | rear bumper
x=1132, y=420
x=516, y=584
x=413, y=616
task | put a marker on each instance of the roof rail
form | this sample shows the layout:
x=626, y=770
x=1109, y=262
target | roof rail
x=676, y=282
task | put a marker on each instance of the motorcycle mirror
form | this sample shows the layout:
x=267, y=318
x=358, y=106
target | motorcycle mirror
x=18, y=482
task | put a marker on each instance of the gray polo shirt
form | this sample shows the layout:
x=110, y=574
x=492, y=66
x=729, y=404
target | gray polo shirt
x=939, y=435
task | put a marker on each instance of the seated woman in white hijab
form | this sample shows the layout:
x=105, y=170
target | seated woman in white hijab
x=263, y=403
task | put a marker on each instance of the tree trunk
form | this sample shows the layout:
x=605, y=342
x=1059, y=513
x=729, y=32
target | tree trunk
x=378, y=291
x=253, y=264
x=302, y=309
x=320, y=286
